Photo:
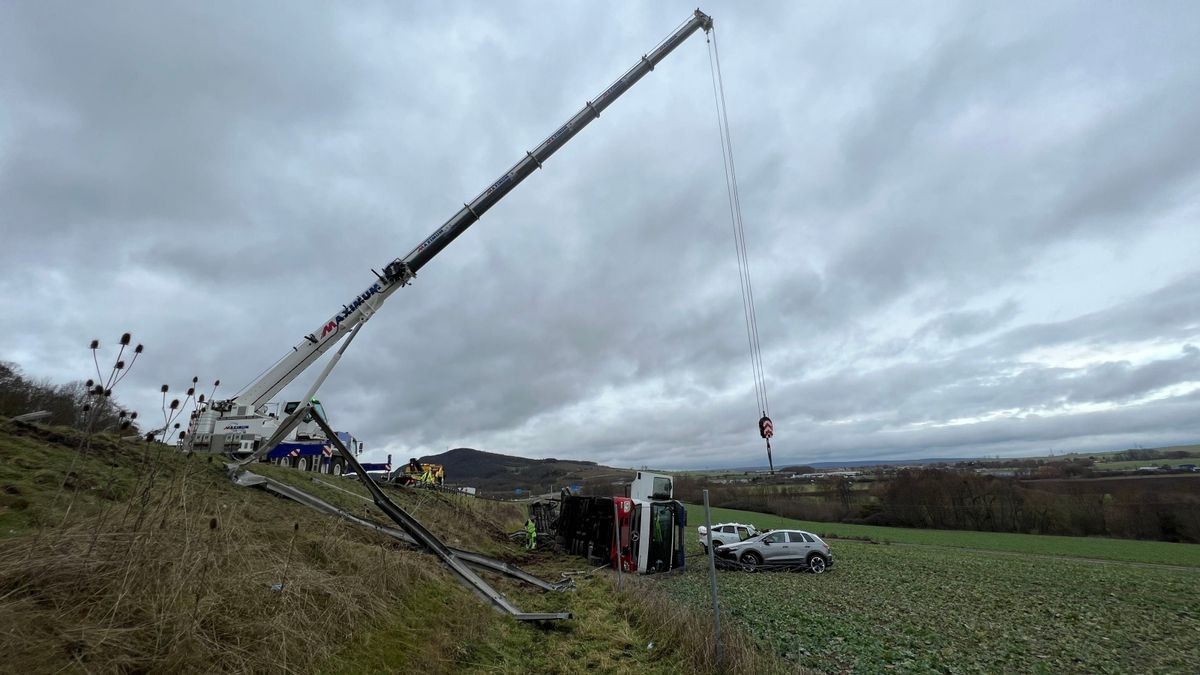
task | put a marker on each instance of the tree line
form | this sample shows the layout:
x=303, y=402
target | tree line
x=71, y=404
x=939, y=498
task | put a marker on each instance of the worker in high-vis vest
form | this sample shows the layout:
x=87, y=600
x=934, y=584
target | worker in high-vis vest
x=530, y=534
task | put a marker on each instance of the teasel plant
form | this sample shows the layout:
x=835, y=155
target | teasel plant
x=99, y=403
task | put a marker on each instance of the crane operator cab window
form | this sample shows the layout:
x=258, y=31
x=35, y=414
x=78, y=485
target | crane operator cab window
x=292, y=405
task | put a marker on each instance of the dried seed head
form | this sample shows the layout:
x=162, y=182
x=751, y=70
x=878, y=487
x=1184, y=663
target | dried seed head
x=191, y=390
x=133, y=415
x=177, y=425
x=86, y=407
x=164, y=389
x=174, y=403
x=95, y=344
x=217, y=383
x=89, y=383
x=182, y=434
x=107, y=392
x=125, y=424
x=120, y=365
x=195, y=380
x=98, y=389
x=138, y=349
x=125, y=337
x=201, y=399
x=212, y=524
x=296, y=527
x=121, y=414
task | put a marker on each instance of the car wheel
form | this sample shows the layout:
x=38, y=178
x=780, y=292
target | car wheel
x=751, y=560
x=816, y=564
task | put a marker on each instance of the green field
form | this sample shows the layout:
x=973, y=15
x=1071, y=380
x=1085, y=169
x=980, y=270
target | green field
x=1138, y=463
x=961, y=602
x=1098, y=548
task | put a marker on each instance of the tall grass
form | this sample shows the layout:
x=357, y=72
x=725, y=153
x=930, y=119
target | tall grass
x=183, y=575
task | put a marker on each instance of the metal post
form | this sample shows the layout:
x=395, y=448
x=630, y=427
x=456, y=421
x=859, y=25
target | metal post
x=617, y=540
x=712, y=577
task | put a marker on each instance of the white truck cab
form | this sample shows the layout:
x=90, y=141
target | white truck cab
x=648, y=486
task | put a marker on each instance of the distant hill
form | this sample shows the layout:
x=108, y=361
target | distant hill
x=496, y=473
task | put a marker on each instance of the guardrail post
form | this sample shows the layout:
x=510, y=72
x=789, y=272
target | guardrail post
x=712, y=577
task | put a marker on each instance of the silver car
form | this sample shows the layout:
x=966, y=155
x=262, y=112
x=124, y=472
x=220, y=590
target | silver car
x=782, y=547
x=725, y=534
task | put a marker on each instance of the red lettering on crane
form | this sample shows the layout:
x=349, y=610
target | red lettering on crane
x=329, y=328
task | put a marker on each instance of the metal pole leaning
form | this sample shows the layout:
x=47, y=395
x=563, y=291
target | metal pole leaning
x=712, y=577
x=617, y=540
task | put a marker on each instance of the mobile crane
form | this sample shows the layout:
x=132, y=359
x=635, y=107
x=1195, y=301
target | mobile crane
x=249, y=428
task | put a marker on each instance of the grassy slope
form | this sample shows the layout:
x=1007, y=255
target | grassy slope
x=144, y=559
x=1077, y=547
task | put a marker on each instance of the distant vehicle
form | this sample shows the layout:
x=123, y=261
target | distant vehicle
x=1188, y=467
x=781, y=547
x=726, y=534
x=416, y=473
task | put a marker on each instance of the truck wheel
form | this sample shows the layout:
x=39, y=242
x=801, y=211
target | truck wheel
x=335, y=467
x=302, y=463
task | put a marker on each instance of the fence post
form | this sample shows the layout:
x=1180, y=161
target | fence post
x=617, y=539
x=712, y=577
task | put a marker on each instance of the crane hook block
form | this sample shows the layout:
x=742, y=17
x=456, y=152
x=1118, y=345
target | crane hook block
x=765, y=428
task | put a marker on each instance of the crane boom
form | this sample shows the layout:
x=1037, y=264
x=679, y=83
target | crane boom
x=398, y=272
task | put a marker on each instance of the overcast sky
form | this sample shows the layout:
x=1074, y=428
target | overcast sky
x=971, y=229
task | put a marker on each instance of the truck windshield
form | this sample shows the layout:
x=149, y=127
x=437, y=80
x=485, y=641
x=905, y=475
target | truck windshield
x=662, y=531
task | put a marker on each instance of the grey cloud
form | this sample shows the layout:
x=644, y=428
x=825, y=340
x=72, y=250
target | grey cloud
x=1168, y=313
x=220, y=179
x=964, y=323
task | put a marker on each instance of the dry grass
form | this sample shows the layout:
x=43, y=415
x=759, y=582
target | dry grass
x=182, y=573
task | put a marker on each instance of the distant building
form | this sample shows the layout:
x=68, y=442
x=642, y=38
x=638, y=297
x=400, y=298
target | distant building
x=998, y=473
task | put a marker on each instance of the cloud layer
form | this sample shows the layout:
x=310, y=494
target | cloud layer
x=969, y=232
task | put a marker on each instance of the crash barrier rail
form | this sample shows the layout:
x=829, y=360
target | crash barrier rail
x=476, y=560
x=458, y=565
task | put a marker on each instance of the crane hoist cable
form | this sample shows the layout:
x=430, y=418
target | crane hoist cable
x=765, y=427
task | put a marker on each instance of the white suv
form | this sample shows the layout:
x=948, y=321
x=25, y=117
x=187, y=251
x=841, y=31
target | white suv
x=726, y=534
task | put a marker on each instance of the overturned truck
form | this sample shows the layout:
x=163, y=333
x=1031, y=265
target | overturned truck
x=641, y=533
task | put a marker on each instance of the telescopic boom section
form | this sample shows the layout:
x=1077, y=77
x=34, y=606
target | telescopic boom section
x=398, y=272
